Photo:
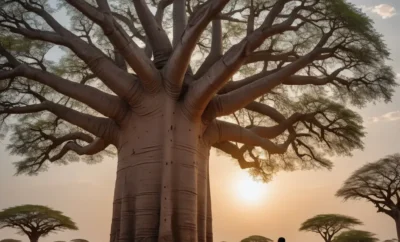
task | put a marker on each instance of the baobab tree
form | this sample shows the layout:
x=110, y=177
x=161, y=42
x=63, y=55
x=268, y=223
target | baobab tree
x=328, y=225
x=35, y=221
x=378, y=183
x=264, y=81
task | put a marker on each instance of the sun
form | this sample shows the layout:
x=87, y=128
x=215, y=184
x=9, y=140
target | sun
x=250, y=190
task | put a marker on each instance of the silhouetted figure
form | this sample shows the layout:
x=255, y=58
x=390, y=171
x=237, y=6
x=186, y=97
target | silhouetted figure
x=281, y=239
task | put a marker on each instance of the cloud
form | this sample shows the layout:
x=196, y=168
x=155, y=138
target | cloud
x=398, y=75
x=384, y=10
x=387, y=117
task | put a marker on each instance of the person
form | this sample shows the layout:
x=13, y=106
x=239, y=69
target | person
x=281, y=239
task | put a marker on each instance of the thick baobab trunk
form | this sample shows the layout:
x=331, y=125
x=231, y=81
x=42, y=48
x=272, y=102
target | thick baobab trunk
x=162, y=190
x=398, y=228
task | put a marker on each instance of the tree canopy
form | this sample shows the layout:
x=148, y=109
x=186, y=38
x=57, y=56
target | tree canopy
x=278, y=72
x=35, y=220
x=328, y=225
x=256, y=238
x=355, y=236
x=390, y=240
x=376, y=182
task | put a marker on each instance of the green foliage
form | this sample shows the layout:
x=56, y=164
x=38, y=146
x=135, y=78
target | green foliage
x=329, y=128
x=355, y=236
x=327, y=225
x=35, y=218
x=36, y=139
x=256, y=238
x=335, y=220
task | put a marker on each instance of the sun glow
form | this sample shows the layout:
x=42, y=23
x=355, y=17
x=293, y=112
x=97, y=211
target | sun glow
x=250, y=190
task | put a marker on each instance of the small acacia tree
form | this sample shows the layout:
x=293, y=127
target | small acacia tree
x=390, y=240
x=328, y=225
x=378, y=183
x=35, y=221
x=256, y=238
x=264, y=81
x=355, y=236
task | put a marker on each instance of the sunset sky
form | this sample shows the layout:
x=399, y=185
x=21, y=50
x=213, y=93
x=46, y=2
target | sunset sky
x=84, y=192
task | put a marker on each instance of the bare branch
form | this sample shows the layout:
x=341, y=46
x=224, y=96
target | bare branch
x=106, y=104
x=157, y=37
x=100, y=127
x=236, y=153
x=93, y=57
x=135, y=56
x=239, y=98
x=179, y=61
x=216, y=48
x=162, y=5
x=235, y=133
x=179, y=20
x=92, y=148
x=213, y=80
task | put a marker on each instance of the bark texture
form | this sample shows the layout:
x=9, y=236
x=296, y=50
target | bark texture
x=34, y=238
x=398, y=229
x=162, y=187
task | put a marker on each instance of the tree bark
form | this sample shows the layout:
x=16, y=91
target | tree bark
x=34, y=238
x=162, y=190
x=398, y=229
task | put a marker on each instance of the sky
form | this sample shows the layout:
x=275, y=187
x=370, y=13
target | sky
x=84, y=192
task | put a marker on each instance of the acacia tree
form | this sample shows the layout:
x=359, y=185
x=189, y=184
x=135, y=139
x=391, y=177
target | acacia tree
x=35, y=221
x=379, y=183
x=265, y=82
x=355, y=236
x=256, y=238
x=390, y=240
x=328, y=225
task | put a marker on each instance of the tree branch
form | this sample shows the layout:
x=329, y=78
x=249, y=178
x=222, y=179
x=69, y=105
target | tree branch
x=106, y=104
x=275, y=131
x=236, y=153
x=235, y=133
x=92, y=148
x=202, y=91
x=179, y=61
x=239, y=98
x=132, y=53
x=115, y=78
x=100, y=127
x=162, y=5
x=179, y=20
x=216, y=48
x=157, y=37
